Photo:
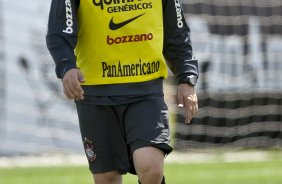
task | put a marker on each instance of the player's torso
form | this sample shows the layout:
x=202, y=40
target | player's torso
x=120, y=41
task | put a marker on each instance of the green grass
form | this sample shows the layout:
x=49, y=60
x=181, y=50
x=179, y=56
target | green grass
x=267, y=172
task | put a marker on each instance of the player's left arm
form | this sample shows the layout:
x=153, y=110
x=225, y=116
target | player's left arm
x=179, y=55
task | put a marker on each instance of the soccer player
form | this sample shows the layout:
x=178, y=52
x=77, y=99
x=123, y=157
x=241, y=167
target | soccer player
x=112, y=57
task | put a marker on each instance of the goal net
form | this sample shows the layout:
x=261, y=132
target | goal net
x=239, y=46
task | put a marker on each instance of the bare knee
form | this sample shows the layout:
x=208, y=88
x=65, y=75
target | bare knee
x=150, y=169
x=112, y=177
x=148, y=162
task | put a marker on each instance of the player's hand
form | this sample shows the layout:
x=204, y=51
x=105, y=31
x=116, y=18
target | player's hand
x=187, y=98
x=71, y=83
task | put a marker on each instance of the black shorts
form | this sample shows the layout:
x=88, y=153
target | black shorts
x=111, y=133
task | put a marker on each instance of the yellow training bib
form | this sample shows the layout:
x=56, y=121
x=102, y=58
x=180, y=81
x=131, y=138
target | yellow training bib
x=120, y=41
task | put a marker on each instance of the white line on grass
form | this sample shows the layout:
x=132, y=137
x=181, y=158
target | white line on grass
x=175, y=157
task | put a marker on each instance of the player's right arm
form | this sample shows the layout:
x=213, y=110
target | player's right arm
x=61, y=40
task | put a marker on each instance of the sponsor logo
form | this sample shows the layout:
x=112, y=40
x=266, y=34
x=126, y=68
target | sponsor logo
x=179, y=13
x=128, y=70
x=115, y=26
x=114, y=6
x=101, y=3
x=129, y=38
x=130, y=7
x=69, y=19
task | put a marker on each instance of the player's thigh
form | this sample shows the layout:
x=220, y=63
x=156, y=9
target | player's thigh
x=103, y=141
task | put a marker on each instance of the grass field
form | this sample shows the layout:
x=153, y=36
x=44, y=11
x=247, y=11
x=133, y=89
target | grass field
x=263, y=172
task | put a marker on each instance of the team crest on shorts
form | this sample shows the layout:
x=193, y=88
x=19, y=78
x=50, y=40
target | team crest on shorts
x=89, y=149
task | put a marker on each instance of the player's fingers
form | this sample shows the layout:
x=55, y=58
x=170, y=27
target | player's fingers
x=180, y=100
x=196, y=107
x=188, y=109
x=81, y=77
x=191, y=106
x=194, y=103
x=68, y=93
x=68, y=90
x=76, y=89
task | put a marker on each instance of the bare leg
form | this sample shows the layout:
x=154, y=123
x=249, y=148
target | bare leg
x=112, y=177
x=149, y=162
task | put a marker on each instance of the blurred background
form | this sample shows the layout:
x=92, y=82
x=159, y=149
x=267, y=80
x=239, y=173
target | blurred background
x=239, y=47
x=35, y=117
